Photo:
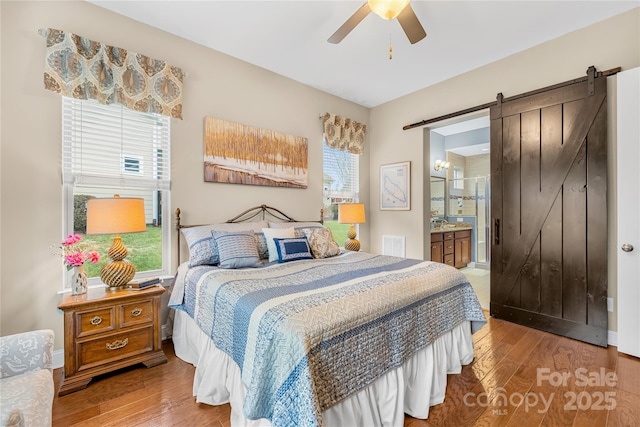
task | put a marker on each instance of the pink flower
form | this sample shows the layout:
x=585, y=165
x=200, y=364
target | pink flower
x=75, y=253
x=75, y=259
x=93, y=257
x=71, y=239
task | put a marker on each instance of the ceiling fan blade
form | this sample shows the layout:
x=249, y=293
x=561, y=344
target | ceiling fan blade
x=410, y=24
x=351, y=23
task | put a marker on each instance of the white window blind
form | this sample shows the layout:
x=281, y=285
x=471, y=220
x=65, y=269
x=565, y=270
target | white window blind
x=101, y=143
x=340, y=176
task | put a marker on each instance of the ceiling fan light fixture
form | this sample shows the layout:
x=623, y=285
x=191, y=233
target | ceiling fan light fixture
x=387, y=9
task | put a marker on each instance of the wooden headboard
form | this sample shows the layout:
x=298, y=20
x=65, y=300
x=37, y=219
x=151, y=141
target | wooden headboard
x=262, y=212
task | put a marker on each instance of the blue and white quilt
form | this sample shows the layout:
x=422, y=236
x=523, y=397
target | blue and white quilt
x=308, y=334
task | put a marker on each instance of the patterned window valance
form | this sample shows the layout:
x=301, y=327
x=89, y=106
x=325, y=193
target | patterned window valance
x=344, y=134
x=84, y=69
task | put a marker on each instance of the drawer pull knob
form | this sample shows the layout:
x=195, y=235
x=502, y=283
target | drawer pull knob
x=96, y=320
x=136, y=312
x=117, y=344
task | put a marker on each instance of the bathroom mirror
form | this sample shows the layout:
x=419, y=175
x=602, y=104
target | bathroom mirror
x=437, y=197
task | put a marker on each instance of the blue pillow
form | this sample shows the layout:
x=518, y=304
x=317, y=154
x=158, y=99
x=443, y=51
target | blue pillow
x=236, y=249
x=293, y=249
x=202, y=250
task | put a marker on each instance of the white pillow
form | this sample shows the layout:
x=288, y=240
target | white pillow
x=280, y=233
x=299, y=227
x=295, y=224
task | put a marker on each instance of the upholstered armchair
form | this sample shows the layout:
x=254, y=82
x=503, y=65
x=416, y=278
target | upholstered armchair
x=26, y=379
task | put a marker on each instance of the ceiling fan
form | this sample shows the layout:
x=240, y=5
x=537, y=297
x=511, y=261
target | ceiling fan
x=387, y=9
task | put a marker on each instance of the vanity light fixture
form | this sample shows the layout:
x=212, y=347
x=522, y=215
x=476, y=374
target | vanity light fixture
x=441, y=164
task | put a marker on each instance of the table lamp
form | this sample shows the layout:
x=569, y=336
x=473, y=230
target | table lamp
x=117, y=215
x=351, y=213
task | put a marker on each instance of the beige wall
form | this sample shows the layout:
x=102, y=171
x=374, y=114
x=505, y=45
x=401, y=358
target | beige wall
x=220, y=86
x=608, y=44
x=217, y=85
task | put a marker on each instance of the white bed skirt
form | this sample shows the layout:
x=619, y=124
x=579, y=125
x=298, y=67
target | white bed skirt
x=419, y=383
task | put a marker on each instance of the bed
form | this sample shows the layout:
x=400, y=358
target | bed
x=316, y=336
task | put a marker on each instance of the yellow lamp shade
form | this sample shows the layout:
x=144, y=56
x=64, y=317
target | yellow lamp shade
x=116, y=215
x=387, y=9
x=351, y=213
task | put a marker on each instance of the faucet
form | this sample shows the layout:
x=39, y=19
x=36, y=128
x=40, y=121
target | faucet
x=441, y=221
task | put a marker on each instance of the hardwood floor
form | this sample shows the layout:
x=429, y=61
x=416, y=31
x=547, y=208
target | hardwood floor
x=507, y=355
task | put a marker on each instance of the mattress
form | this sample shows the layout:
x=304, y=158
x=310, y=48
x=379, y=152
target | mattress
x=301, y=335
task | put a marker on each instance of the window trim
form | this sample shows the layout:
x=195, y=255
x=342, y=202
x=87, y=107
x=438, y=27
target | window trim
x=163, y=186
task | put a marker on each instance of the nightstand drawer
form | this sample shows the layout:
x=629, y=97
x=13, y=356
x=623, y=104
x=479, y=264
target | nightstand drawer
x=113, y=348
x=95, y=321
x=136, y=313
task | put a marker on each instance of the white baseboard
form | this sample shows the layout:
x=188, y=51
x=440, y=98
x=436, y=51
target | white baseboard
x=164, y=333
x=58, y=359
x=612, y=338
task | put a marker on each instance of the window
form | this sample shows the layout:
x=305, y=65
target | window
x=340, y=184
x=107, y=150
x=458, y=178
x=132, y=164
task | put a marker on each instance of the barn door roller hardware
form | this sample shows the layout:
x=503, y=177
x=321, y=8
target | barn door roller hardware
x=592, y=74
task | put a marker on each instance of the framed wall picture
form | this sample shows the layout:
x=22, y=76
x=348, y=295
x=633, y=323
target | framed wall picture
x=239, y=154
x=395, y=187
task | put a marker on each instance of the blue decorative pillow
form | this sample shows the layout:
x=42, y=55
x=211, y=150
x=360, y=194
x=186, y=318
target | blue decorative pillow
x=293, y=249
x=203, y=249
x=270, y=234
x=236, y=249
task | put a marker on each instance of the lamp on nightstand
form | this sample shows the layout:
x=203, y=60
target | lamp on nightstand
x=351, y=213
x=117, y=215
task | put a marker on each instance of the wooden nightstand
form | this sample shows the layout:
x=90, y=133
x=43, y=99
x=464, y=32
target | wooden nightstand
x=105, y=331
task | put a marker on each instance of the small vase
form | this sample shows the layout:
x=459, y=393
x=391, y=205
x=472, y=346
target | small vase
x=79, y=281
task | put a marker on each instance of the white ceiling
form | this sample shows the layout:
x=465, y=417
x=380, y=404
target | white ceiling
x=290, y=37
x=472, y=150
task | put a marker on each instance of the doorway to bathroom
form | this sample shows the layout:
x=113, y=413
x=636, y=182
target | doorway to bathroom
x=460, y=185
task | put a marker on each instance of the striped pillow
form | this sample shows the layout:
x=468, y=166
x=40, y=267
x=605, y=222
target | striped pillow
x=293, y=249
x=202, y=247
x=236, y=249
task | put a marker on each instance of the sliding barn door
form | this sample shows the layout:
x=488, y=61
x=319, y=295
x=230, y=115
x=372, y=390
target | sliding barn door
x=549, y=210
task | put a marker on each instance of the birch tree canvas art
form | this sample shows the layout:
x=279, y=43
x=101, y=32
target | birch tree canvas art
x=238, y=154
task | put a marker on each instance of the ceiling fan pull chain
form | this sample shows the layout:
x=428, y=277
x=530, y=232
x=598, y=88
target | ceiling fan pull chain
x=390, y=48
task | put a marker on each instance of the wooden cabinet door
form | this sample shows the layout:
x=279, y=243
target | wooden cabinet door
x=436, y=252
x=462, y=252
x=549, y=209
